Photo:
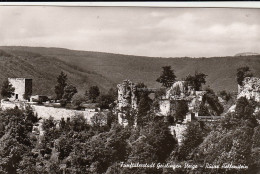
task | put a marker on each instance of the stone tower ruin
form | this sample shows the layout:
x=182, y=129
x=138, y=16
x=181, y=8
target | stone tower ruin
x=23, y=86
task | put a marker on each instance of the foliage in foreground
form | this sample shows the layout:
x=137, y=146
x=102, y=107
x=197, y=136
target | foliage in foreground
x=74, y=146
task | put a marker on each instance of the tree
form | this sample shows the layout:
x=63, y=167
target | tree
x=242, y=73
x=196, y=81
x=203, y=110
x=16, y=141
x=78, y=123
x=139, y=93
x=130, y=115
x=105, y=101
x=244, y=109
x=27, y=164
x=144, y=107
x=64, y=147
x=69, y=92
x=99, y=119
x=106, y=148
x=193, y=136
x=210, y=104
x=113, y=92
x=181, y=110
x=111, y=118
x=7, y=90
x=61, y=84
x=93, y=93
x=225, y=95
x=167, y=77
x=153, y=145
x=77, y=100
x=161, y=139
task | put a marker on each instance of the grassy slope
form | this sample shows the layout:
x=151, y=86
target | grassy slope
x=221, y=71
x=44, y=71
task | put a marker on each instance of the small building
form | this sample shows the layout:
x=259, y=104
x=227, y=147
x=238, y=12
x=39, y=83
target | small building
x=23, y=88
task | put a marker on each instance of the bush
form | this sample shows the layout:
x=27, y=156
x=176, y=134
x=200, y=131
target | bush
x=77, y=100
x=244, y=108
x=225, y=95
x=105, y=101
x=63, y=102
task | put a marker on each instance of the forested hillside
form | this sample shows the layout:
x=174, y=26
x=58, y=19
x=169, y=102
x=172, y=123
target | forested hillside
x=44, y=71
x=107, y=69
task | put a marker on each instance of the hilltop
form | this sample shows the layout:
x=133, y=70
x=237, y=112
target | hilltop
x=247, y=54
x=85, y=68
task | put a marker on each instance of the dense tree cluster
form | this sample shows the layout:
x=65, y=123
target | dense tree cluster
x=7, y=89
x=68, y=95
x=93, y=93
x=74, y=146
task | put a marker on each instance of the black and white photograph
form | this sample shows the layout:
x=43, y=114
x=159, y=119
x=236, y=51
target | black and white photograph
x=128, y=89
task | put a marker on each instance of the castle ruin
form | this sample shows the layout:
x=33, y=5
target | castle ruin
x=250, y=89
x=181, y=91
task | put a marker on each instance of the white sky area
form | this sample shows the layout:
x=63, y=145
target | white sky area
x=144, y=31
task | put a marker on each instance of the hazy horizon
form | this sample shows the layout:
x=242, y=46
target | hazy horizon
x=120, y=53
x=140, y=31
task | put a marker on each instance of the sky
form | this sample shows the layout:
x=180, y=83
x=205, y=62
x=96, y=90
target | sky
x=144, y=31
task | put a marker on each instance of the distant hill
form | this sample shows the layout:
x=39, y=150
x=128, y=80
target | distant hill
x=247, y=54
x=105, y=69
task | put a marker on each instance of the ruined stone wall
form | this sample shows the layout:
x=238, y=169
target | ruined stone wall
x=45, y=112
x=10, y=105
x=250, y=89
x=58, y=113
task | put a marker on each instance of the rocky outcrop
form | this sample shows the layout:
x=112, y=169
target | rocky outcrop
x=179, y=89
x=165, y=107
x=250, y=89
x=126, y=95
x=178, y=131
